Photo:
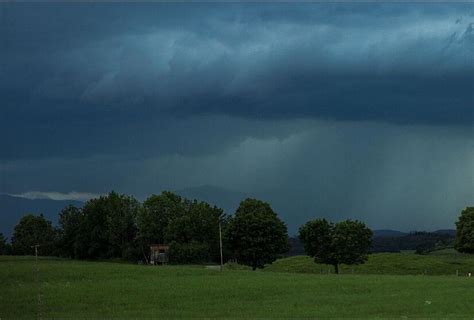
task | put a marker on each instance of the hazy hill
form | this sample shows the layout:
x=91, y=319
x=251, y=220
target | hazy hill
x=450, y=232
x=388, y=233
x=13, y=208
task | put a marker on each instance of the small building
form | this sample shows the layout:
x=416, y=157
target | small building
x=159, y=254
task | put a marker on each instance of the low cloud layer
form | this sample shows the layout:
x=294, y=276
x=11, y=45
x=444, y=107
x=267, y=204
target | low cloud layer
x=52, y=195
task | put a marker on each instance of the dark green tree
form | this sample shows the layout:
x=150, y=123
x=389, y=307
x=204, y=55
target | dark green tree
x=3, y=244
x=465, y=231
x=195, y=232
x=70, y=220
x=190, y=228
x=109, y=228
x=155, y=216
x=189, y=252
x=255, y=235
x=346, y=242
x=33, y=230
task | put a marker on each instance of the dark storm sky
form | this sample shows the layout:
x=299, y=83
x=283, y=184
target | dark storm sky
x=337, y=110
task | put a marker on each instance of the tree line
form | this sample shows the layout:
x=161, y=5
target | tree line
x=420, y=241
x=117, y=226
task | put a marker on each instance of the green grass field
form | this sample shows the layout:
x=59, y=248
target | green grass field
x=443, y=262
x=101, y=289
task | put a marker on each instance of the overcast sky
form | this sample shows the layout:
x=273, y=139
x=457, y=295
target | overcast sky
x=325, y=110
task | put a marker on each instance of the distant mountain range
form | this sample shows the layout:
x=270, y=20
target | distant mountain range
x=13, y=208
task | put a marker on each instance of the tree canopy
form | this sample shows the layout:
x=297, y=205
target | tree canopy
x=70, y=220
x=190, y=228
x=345, y=242
x=108, y=228
x=33, y=230
x=195, y=233
x=154, y=217
x=465, y=231
x=255, y=235
x=3, y=244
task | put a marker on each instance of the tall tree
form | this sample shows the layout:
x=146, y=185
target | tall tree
x=195, y=232
x=255, y=235
x=70, y=219
x=156, y=214
x=109, y=227
x=346, y=242
x=465, y=231
x=33, y=230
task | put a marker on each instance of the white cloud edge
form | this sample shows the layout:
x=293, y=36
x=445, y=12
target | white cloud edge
x=54, y=195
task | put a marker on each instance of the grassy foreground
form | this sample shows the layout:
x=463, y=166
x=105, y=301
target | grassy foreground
x=438, y=263
x=94, y=289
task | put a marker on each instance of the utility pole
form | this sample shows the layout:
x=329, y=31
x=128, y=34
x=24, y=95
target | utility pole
x=37, y=280
x=220, y=244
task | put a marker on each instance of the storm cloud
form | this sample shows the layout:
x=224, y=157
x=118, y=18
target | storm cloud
x=347, y=110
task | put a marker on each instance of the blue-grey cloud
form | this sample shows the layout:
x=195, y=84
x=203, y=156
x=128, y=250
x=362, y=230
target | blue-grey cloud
x=338, y=109
x=408, y=177
x=97, y=72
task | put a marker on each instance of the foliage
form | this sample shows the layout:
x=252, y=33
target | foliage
x=465, y=231
x=33, y=230
x=108, y=229
x=191, y=228
x=197, y=227
x=117, y=226
x=255, y=235
x=422, y=242
x=155, y=216
x=70, y=220
x=3, y=244
x=345, y=242
x=78, y=289
x=192, y=252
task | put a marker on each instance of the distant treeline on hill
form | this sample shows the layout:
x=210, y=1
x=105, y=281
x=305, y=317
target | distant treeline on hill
x=419, y=241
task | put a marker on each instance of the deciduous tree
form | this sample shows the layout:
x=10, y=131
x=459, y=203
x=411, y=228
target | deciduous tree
x=345, y=242
x=255, y=235
x=70, y=220
x=109, y=227
x=465, y=231
x=196, y=230
x=33, y=230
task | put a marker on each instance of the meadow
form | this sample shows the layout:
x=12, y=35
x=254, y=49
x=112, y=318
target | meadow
x=78, y=289
x=442, y=262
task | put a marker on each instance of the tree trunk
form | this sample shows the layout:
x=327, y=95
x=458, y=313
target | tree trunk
x=336, y=268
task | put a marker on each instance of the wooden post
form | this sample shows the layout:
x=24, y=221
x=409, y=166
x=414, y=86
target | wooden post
x=38, y=281
x=220, y=244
